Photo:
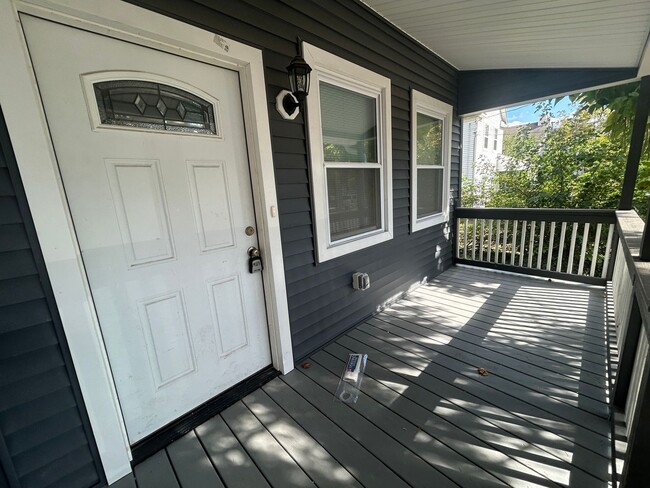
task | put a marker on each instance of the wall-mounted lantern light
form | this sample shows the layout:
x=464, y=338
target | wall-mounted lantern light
x=288, y=102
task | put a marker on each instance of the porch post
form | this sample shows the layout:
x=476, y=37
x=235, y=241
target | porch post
x=636, y=145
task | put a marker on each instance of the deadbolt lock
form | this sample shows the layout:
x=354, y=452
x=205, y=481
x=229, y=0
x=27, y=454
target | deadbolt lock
x=250, y=230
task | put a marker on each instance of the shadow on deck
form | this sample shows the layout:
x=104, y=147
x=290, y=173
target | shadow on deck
x=426, y=417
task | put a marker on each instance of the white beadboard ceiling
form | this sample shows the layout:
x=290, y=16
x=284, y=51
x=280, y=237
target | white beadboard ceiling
x=499, y=34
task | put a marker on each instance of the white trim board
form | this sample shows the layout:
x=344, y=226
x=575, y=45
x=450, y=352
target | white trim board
x=29, y=133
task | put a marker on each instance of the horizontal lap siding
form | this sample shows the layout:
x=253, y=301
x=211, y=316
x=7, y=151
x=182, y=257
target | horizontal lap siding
x=322, y=303
x=43, y=438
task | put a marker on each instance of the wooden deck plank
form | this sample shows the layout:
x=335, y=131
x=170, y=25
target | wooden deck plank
x=513, y=313
x=156, y=472
x=309, y=454
x=191, y=463
x=408, y=466
x=569, y=368
x=584, y=301
x=539, y=301
x=536, y=447
x=516, y=311
x=554, y=436
x=493, y=461
x=234, y=465
x=554, y=324
x=481, y=283
x=272, y=460
x=425, y=417
x=363, y=465
x=411, y=435
x=496, y=360
x=432, y=361
x=521, y=326
x=426, y=375
x=427, y=349
x=535, y=345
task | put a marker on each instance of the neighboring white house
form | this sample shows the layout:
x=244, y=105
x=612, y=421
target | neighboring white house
x=482, y=139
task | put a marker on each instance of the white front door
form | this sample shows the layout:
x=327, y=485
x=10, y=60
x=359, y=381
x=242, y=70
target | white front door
x=152, y=153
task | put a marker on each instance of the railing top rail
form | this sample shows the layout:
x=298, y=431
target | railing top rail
x=630, y=227
x=599, y=216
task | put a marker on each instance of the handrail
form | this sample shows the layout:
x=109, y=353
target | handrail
x=538, y=214
x=631, y=297
x=571, y=244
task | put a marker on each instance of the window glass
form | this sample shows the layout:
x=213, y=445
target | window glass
x=349, y=124
x=429, y=140
x=429, y=183
x=155, y=106
x=354, y=201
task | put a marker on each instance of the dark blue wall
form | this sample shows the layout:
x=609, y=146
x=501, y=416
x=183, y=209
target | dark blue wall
x=45, y=436
x=321, y=300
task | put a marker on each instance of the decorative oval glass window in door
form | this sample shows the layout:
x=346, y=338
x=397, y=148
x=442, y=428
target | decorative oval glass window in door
x=154, y=106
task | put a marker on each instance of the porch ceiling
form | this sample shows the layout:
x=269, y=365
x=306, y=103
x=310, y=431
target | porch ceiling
x=510, y=34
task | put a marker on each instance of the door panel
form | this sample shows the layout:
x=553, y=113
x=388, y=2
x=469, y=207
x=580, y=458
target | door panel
x=157, y=177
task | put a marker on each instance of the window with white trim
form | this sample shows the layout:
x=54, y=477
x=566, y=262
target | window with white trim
x=430, y=160
x=348, y=111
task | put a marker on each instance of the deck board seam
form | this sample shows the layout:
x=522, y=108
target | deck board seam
x=551, y=399
x=477, y=398
x=205, y=450
x=347, y=433
x=505, y=366
x=394, y=312
x=468, y=412
x=507, y=321
x=468, y=319
x=569, y=421
x=243, y=447
x=308, y=434
x=279, y=443
x=460, y=453
x=377, y=427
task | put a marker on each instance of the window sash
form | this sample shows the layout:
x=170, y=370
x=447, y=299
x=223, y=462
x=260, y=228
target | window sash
x=338, y=71
x=438, y=193
x=430, y=206
x=364, y=230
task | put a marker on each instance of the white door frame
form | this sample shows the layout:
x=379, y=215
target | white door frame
x=35, y=154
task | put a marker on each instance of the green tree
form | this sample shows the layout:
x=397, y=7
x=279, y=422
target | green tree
x=574, y=165
x=619, y=103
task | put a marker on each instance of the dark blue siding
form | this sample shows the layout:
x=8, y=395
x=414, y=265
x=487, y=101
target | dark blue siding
x=321, y=300
x=45, y=438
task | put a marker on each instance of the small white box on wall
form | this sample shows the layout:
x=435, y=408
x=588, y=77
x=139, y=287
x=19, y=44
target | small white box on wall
x=360, y=281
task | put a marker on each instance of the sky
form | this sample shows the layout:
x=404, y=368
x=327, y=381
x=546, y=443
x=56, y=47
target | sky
x=526, y=113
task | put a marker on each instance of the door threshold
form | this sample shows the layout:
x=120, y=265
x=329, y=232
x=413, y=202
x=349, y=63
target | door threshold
x=176, y=429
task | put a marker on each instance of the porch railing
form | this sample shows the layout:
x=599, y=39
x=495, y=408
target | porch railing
x=571, y=244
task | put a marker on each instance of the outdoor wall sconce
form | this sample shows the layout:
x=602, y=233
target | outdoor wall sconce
x=288, y=102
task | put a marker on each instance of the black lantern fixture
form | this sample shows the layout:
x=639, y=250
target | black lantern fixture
x=299, y=74
x=298, y=71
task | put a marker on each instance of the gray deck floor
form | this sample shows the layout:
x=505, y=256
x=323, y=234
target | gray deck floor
x=426, y=418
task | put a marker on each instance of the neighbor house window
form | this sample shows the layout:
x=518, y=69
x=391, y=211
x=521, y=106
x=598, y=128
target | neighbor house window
x=496, y=137
x=486, y=137
x=349, y=129
x=430, y=160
